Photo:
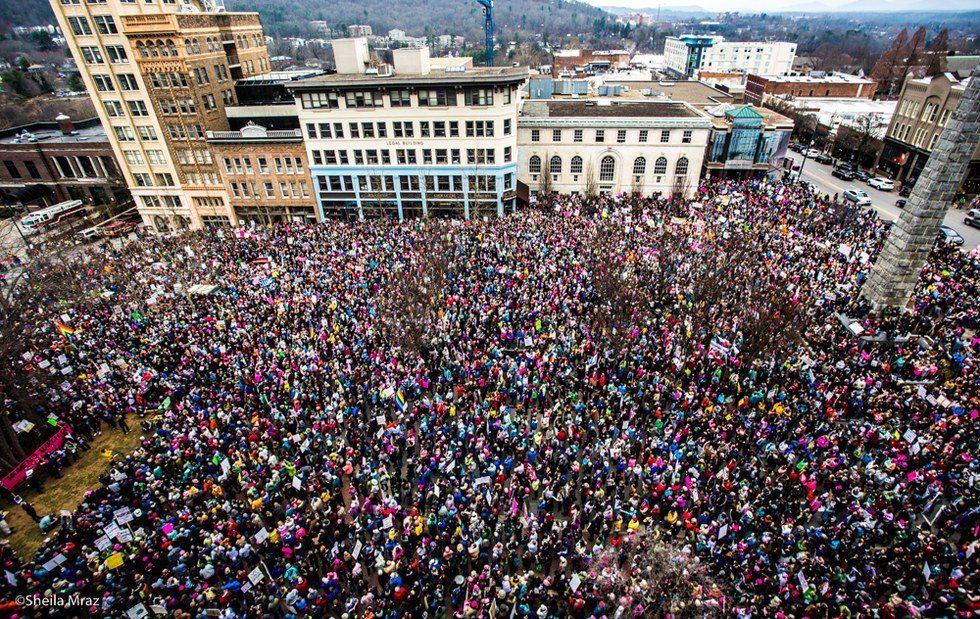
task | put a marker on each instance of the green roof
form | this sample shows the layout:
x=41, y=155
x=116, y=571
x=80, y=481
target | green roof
x=743, y=113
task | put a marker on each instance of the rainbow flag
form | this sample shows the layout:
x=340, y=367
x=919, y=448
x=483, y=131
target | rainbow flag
x=66, y=331
x=400, y=402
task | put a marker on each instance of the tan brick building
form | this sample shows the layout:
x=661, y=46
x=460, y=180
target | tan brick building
x=266, y=174
x=161, y=74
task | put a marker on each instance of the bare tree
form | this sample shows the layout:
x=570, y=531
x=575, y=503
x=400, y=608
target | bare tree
x=651, y=576
x=591, y=182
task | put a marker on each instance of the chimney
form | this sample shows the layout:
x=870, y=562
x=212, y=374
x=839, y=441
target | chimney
x=67, y=126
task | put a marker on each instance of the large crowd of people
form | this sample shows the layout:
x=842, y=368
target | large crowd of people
x=609, y=407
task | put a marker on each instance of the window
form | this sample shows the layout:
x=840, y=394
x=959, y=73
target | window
x=680, y=168
x=660, y=167
x=137, y=108
x=644, y=134
x=103, y=83
x=424, y=129
x=400, y=98
x=534, y=165
x=105, y=24
x=556, y=135
x=311, y=130
x=309, y=100
x=507, y=125
x=600, y=135
x=127, y=81
x=79, y=25
x=535, y=135
x=124, y=134
x=607, y=169
x=686, y=139
x=32, y=169
x=507, y=154
x=113, y=108
x=367, y=130
x=439, y=129
x=665, y=136
x=576, y=167
x=354, y=130
x=436, y=97
x=146, y=132
x=577, y=136
x=12, y=169
x=479, y=96
x=92, y=55
x=117, y=54
x=640, y=166
x=621, y=136
x=555, y=166
x=363, y=98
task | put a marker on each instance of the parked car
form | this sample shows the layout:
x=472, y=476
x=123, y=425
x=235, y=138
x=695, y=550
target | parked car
x=89, y=234
x=824, y=158
x=949, y=236
x=797, y=147
x=119, y=227
x=811, y=152
x=861, y=175
x=857, y=197
x=884, y=184
x=972, y=217
x=843, y=174
x=901, y=202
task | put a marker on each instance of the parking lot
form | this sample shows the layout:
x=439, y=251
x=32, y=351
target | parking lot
x=883, y=201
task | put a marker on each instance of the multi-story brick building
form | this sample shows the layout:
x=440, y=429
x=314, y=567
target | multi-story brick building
x=161, y=74
x=266, y=174
x=924, y=108
x=814, y=84
x=411, y=140
x=579, y=62
x=49, y=162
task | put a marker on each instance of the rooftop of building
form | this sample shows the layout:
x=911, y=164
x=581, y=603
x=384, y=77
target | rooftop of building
x=256, y=133
x=436, y=75
x=691, y=92
x=606, y=108
x=279, y=77
x=48, y=132
x=720, y=114
x=817, y=77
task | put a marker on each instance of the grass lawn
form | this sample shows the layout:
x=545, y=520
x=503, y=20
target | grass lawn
x=67, y=492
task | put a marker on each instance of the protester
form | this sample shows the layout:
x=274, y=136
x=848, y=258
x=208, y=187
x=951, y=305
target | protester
x=303, y=455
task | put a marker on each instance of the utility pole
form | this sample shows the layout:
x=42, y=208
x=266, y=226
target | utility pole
x=913, y=236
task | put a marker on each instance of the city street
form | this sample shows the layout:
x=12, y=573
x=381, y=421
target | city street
x=883, y=201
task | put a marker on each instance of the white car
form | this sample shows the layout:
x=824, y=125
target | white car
x=884, y=184
x=811, y=152
x=857, y=197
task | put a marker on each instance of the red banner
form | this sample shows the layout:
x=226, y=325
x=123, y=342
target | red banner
x=19, y=473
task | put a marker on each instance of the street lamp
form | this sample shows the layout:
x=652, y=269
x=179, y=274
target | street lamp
x=806, y=153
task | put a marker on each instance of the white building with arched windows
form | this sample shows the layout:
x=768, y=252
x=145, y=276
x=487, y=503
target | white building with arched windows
x=611, y=147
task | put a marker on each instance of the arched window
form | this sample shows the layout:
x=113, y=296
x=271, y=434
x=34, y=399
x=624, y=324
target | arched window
x=188, y=47
x=555, y=166
x=607, y=169
x=534, y=165
x=171, y=47
x=640, y=166
x=197, y=46
x=661, y=166
x=576, y=165
x=162, y=48
x=681, y=168
x=141, y=48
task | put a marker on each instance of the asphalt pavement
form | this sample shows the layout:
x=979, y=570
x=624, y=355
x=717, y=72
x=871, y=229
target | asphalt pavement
x=882, y=201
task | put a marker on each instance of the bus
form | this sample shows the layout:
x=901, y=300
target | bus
x=46, y=217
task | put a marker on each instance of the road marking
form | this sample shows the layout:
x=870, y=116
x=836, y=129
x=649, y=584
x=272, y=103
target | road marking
x=881, y=208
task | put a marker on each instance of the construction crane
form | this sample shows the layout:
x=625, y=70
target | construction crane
x=488, y=27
